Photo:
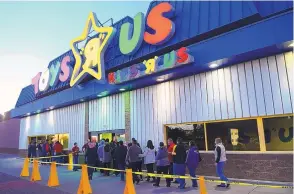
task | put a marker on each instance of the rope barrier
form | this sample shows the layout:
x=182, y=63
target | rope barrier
x=166, y=175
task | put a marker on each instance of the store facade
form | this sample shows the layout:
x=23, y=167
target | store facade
x=198, y=75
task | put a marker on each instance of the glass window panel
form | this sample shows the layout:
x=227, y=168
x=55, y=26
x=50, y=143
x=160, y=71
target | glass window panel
x=189, y=132
x=278, y=133
x=236, y=135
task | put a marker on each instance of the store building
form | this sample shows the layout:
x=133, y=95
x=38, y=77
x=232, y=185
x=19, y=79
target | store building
x=198, y=70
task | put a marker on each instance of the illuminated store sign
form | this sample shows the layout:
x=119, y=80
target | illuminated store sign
x=154, y=65
x=90, y=59
x=60, y=71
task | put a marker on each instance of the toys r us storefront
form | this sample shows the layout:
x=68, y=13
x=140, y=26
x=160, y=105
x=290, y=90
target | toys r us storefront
x=198, y=70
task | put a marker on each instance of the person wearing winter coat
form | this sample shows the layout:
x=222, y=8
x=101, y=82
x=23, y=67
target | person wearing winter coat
x=220, y=160
x=135, y=161
x=120, y=157
x=91, y=154
x=162, y=164
x=179, y=159
x=46, y=150
x=100, y=154
x=149, y=159
x=192, y=161
x=107, y=157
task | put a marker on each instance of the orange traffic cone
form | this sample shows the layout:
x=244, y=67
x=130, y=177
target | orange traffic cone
x=85, y=187
x=70, y=162
x=202, y=185
x=25, y=169
x=53, y=177
x=129, y=188
x=35, y=173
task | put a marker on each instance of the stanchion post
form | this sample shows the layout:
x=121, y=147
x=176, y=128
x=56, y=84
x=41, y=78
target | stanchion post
x=202, y=185
x=70, y=162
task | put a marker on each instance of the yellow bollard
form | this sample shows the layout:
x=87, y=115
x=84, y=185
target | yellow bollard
x=35, y=173
x=25, y=169
x=84, y=187
x=53, y=177
x=70, y=162
x=129, y=188
x=202, y=185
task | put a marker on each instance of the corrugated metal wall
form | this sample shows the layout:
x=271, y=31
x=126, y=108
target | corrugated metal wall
x=65, y=120
x=107, y=113
x=9, y=133
x=256, y=88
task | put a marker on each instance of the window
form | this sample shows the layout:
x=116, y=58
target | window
x=278, y=133
x=236, y=135
x=190, y=132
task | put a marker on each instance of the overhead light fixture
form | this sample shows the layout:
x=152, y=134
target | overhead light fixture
x=28, y=114
x=159, y=79
x=82, y=100
x=99, y=95
x=51, y=107
x=291, y=45
x=122, y=89
x=213, y=65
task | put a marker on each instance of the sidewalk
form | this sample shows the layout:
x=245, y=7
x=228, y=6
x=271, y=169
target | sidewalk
x=69, y=182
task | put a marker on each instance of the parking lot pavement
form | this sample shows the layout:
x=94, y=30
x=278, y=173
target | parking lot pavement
x=11, y=183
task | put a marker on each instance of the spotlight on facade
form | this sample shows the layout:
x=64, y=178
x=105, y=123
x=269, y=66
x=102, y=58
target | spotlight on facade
x=159, y=79
x=28, y=114
x=291, y=45
x=213, y=65
x=51, y=107
x=82, y=100
x=99, y=95
x=122, y=89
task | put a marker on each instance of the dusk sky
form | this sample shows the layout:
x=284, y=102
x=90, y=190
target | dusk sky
x=34, y=33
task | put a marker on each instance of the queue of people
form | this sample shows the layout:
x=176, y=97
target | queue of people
x=46, y=149
x=173, y=159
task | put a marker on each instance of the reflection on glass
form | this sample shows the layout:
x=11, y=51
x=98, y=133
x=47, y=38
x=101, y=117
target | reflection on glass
x=190, y=132
x=278, y=133
x=236, y=135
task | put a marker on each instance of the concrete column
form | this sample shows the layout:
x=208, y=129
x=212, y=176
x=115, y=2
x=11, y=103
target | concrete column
x=127, y=116
x=86, y=121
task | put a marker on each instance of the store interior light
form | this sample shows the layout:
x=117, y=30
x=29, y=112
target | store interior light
x=213, y=65
x=159, y=79
x=122, y=89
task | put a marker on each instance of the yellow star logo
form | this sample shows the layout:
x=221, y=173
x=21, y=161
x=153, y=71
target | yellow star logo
x=93, y=52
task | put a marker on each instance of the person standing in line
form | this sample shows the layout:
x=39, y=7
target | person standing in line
x=75, y=153
x=84, y=149
x=100, y=154
x=220, y=160
x=120, y=157
x=33, y=149
x=135, y=161
x=170, y=149
x=30, y=150
x=192, y=161
x=141, y=161
x=179, y=158
x=40, y=151
x=162, y=164
x=149, y=159
x=91, y=155
x=46, y=151
x=106, y=157
x=58, y=151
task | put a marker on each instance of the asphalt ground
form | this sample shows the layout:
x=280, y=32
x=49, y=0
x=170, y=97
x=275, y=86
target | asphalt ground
x=11, y=183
